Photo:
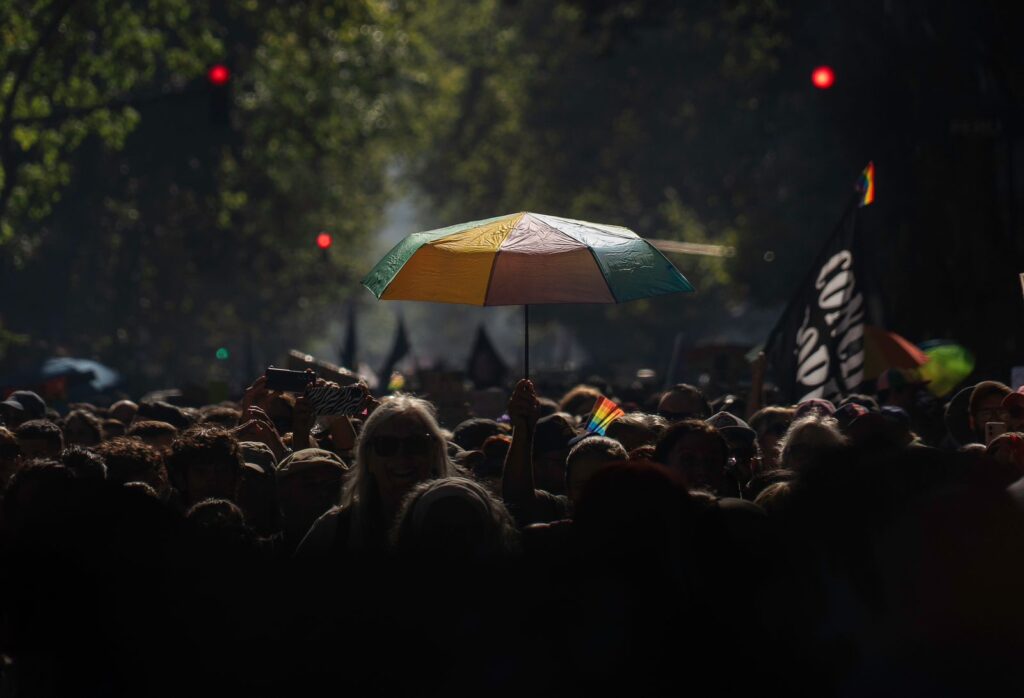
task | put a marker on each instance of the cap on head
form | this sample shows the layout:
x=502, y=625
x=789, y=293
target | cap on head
x=1014, y=399
x=309, y=458
x=896, y=416
x=27, y=402
x=849, y=412
x=815, y=405
x=734, y=430
x=257, y=453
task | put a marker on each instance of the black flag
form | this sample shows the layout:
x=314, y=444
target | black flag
x=399, y=349
x=486, y=367
x=817, y=347
x=348, y=350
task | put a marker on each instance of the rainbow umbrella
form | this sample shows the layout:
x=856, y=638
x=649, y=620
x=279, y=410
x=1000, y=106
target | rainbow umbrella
x=884, y=350
x=524, y=259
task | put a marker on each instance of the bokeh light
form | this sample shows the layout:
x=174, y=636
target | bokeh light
x=823, y=77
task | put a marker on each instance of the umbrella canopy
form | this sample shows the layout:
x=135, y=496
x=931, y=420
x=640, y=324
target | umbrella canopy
x=98, y=376
x=884, y=350
x=949, y=364
x=523, y=259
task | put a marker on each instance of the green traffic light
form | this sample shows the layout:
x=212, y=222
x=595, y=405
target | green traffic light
x=222, y=354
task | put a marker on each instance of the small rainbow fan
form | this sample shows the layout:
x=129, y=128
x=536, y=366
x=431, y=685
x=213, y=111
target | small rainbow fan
x=866, y=185
x=605, y=412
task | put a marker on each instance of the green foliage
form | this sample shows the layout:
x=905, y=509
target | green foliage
x=135, y=228
x=638, y=114
x=67, y=70
x=177, y=235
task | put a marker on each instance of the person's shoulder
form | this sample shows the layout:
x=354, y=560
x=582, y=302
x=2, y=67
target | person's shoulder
x=736, y=524
x=325, y=531
x=551, y=507
x=739, y=507
x=1016, y=491
x=555, y=538
x=555, y=500
x=338, y=518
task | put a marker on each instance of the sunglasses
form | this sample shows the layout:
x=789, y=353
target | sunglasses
x=412, y=446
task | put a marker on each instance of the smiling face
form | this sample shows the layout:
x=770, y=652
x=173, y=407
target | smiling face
x=401, y=453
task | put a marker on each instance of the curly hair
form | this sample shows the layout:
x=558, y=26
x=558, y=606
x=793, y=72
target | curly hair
x=151, y=428
x=130, y=460
x=86, y=422
x=220, y=415
x=84, y=463
x=204, y=446
x=41, y=430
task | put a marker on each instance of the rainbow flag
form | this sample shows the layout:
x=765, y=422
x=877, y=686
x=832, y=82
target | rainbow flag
x=605, y=412
x=866, y=185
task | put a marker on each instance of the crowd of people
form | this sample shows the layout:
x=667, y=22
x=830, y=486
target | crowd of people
x=868, y=545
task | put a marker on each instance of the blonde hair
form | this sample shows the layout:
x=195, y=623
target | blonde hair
x=359, y=492
x=813, y=430
x=774, y=497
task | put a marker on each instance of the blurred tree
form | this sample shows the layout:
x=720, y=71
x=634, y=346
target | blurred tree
x=638, y=113
x=191, y=236
x=698, y=121
x=133, y=228
x=70, y=71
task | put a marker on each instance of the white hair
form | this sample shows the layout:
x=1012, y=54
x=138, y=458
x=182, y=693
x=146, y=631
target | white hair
x=813, y=430
x=499, y=534
x=359, y=492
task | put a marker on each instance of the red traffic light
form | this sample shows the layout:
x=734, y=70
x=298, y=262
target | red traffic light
x=823, y=77
x=323, y=240
x=218, y=75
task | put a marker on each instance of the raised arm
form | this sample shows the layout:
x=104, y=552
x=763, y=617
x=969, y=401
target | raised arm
x=756, y=398
x=517, y=477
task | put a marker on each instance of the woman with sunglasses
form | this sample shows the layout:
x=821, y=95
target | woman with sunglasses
x=400, y=446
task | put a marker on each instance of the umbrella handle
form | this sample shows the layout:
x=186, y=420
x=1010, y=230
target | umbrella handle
x=526, y=341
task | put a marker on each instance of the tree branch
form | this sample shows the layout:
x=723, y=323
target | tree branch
x=7, y=124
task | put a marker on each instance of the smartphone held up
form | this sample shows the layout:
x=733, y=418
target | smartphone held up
x=992, y=430
x=283, y=380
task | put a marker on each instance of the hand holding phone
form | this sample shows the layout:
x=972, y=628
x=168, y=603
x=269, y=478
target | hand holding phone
x=256, y=430
x=283, y=380
x=992, y=430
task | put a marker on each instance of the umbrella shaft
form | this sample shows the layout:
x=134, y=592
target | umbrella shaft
x=526, y=341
